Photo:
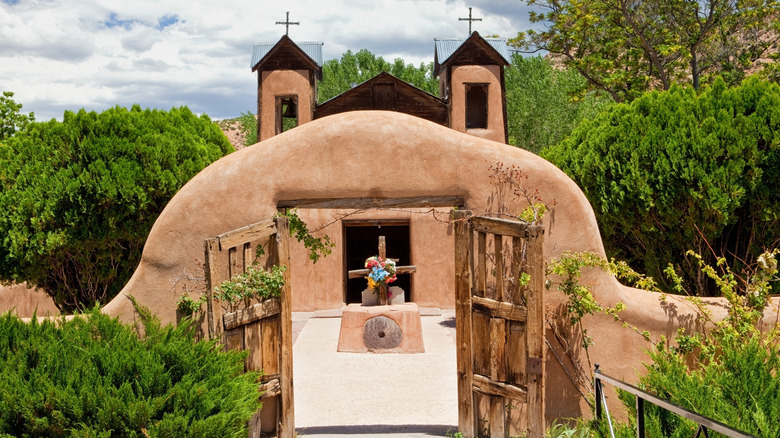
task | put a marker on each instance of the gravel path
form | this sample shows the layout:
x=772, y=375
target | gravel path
x=378, y=395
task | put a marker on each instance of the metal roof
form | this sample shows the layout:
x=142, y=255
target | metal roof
x=445, y=47
x=311, y=48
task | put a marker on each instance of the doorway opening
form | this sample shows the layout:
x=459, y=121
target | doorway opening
x=361, y=239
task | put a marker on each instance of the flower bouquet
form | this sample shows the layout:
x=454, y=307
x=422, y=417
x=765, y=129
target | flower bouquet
x=381, y=272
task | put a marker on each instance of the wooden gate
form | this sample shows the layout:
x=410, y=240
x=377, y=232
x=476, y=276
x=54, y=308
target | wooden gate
x=499, y=268
x=263, y=328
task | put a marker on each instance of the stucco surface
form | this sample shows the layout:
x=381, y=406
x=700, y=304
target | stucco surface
x=487, y=74
x=385, y=154
x=284, y=83
x=23, y=301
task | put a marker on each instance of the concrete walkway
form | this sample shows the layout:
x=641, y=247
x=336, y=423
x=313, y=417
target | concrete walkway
x=376, y=395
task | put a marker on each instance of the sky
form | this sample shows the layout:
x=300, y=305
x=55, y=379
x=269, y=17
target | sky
x=58, y=55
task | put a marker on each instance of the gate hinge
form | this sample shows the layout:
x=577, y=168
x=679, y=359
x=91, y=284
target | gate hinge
x=533, y=365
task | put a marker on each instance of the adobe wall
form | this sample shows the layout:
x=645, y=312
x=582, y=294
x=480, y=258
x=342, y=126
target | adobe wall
x=23, y=301
x=490, y=74
x=284, y=83
x=387, y=154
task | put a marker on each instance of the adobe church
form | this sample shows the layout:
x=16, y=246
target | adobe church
x=471, y=100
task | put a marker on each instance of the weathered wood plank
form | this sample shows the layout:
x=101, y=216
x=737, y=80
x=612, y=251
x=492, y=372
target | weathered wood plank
x=253, y=343
x=234, y=340
x=481, y=265
x=480, y=342
x=504, y=227
x=535, y=331
x=248, y=257
x=287, y=415
x=270, y=345
x=516, y=294
x=481, y=413
x=363, y=203
x=516, y=354
x=498, y=309
x=484, y=385
x=266, y=309
x=498, y=349
x=497, y=417
x=245, y=234
x=234, y=264
x=498, y=246
x=212, y=279
x=463, y=246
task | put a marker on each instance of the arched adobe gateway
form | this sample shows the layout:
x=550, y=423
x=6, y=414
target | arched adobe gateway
x=380, y=155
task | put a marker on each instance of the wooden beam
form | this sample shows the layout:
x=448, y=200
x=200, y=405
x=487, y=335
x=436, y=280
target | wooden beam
x=210, y=271
x=504, y=227
x=364, y=203
x=535, y=331
x=498, y=249
x=497, y=309
x=463, y=245
x=484, y=385
x=287, y=415
x=245, y=234
x=250, y=314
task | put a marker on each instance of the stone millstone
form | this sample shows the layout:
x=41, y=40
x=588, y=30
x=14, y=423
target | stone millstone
x=382, y=333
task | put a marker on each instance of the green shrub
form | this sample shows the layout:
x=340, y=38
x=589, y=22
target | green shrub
x=729, y=372
x=93, y=376
x=79, y=197
x=678, y=170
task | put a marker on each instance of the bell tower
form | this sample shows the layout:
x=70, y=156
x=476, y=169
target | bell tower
x=471, y=80
x=287, y=75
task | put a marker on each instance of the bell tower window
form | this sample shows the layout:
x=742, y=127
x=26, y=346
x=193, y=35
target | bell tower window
x=286, y=113
x=476, y=106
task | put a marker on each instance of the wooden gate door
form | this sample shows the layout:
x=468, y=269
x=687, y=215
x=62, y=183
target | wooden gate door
x=264, y=328
x=499, y=268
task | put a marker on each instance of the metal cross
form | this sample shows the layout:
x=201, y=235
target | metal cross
x=469, y=20
x=287, y=24
x=357, y=273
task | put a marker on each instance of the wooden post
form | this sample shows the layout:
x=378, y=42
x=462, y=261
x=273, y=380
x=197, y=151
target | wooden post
x=210, y=270
x=463, y=247
x=535, y=332
x=287, y=415
x=382, y=289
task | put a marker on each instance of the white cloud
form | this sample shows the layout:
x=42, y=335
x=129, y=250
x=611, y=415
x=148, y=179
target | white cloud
x=58, y=55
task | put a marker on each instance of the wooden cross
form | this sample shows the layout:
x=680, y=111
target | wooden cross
x=357, y=273
x=469, y=20
x=287, y=24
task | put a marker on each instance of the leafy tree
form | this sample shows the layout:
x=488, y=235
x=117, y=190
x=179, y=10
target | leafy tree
x=11, y=118
x=626, y=47
x=674, y=171
x=544, y=104
x=339, y=75
x=79, y=196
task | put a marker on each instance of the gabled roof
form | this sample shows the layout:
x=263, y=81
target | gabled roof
x=407, y=99
x=450, y=50
x=303, y=55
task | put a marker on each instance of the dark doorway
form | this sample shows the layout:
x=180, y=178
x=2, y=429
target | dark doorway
x=361, y=240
